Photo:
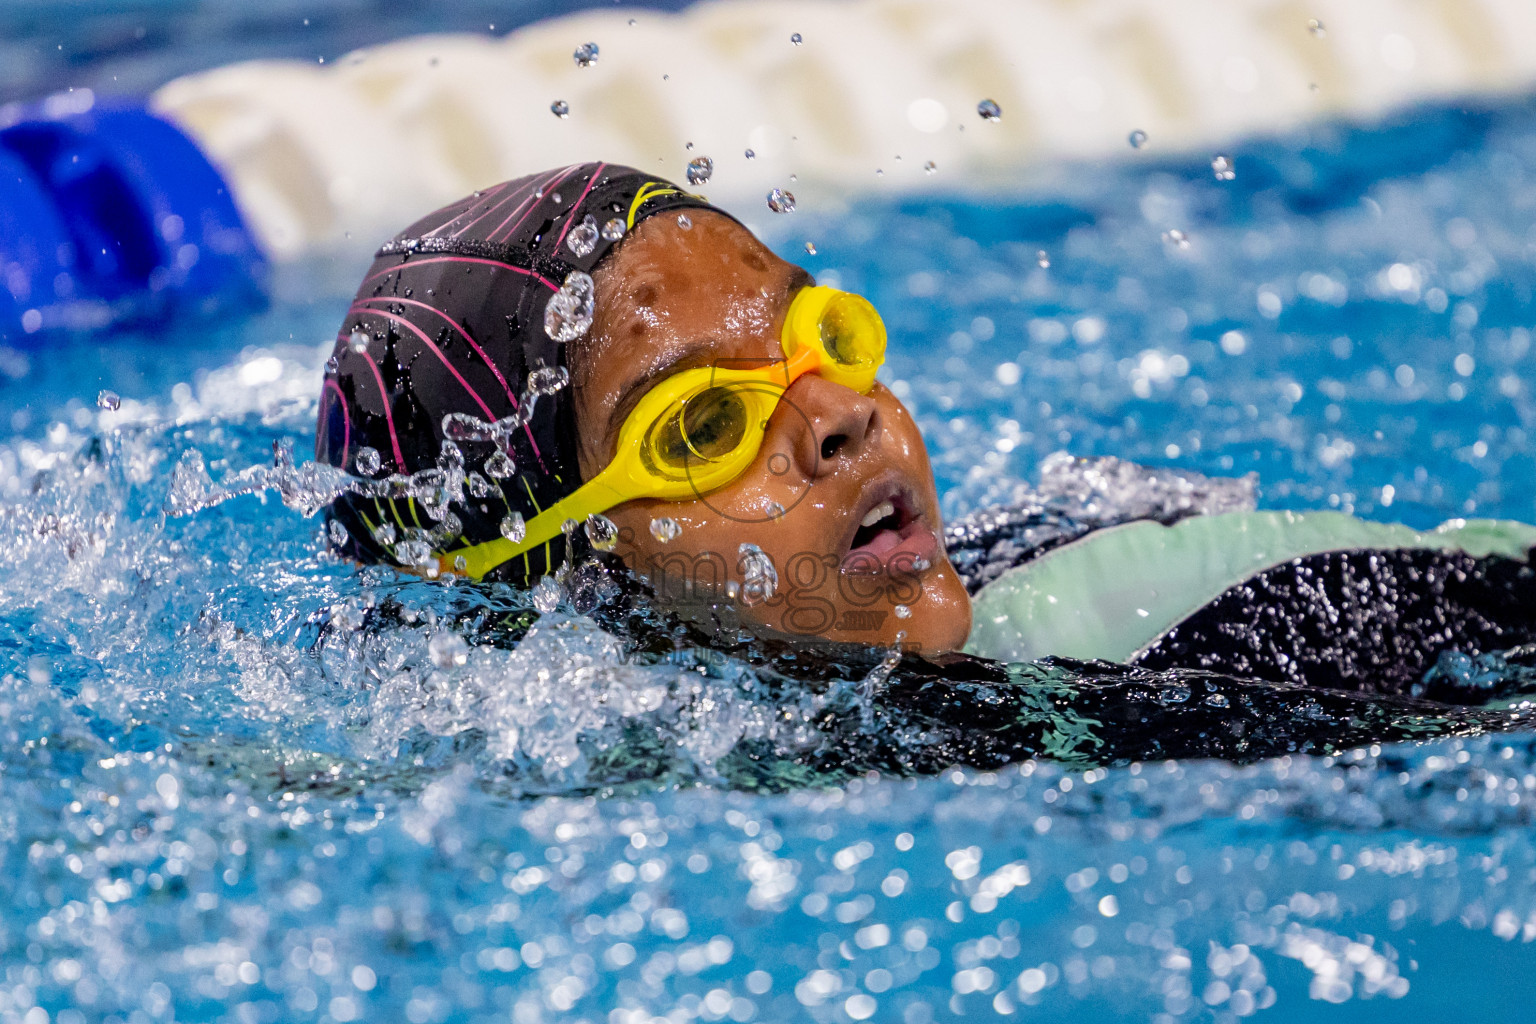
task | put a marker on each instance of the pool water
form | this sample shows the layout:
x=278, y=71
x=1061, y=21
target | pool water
x=233, y=794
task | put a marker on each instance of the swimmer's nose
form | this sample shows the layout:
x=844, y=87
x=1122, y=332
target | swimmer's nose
x=830, y=423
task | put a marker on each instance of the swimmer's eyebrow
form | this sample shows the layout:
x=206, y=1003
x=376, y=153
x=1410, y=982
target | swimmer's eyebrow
x=699, y=352
x=696, y=353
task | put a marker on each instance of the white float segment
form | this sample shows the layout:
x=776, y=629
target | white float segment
x=354, y=149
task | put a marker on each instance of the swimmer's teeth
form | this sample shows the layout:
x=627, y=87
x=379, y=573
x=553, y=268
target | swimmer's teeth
x=878, y=513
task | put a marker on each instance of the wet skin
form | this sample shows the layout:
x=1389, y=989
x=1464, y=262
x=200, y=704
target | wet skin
x=673, y=298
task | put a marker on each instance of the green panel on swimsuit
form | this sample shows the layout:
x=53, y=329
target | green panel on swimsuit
x=1113, y=592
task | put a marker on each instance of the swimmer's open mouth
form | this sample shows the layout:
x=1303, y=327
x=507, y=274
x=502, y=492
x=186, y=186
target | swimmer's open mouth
x=889, y=526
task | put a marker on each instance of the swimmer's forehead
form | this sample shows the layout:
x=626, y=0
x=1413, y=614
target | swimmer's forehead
x=678, y=298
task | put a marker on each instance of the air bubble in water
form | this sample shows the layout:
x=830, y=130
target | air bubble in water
x=1138, y=138
x=337, y=532
x=447, y=650
x=603, y=535
x=513, y=528
x=108, y=400
x=568, y=314
x=797, y=39
x=989, y=110
x=700, y=169
x=613, y=230
x=500, y=466
x=665, y=529
x=1043, y=258
x=583, y=237
x=546, y=595
x=902, y=611
x=367, y=461
x=547, y=380
x=385, y=533
x=1176, y=238
x=357, y=341
x=684, y=221
x=780, y=201
x=585, y=55
x=759, y=578
x=1222, y=167
x=560, y=108
x=1316, y=27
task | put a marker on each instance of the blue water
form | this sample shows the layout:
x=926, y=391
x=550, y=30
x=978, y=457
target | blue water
x=222, y=801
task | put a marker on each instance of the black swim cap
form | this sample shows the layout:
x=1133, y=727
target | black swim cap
x=451, y=319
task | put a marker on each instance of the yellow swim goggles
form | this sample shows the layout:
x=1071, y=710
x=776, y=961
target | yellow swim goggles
x=700, y=429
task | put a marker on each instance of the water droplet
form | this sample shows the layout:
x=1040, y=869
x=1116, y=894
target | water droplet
x=447, y=650
x=1316, y=27
x=416, y=553
x=337, y=532
x=780, y=201
x=1138, y=138
x=560, y=108
x=774, y=510
x=1176, y=238
x=750, y=155
x=367, y=461
x=585, y=55
x=700, y=169
x=684, y=221
x=500, y=466
x=583, y=237
x=478, y=485
x=688, y=146
x=1217, y=700
x=759, y=578
x=665, y=529
x=613, y=230
x=513, y=528
x=810, y=248
x=930, y=167
x=568, y=314
x=902, y=611
x=797, y=39
x=546, y=595
x=547, y=380
x=1223, y=167
x=603, y=535
x=1043, y=259
x=462, y=426
x=385, y=533
x=108, y=400
x=921, y=565
x=989, y=110
x=460, y=564
x=332, y=365
x=357, y=341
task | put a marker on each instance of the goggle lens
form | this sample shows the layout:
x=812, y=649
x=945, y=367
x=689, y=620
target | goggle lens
x=709, y=426
x=852, y=332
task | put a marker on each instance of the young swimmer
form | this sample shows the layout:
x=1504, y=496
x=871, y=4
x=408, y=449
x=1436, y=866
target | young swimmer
x=723, y=435
x=717, y=399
